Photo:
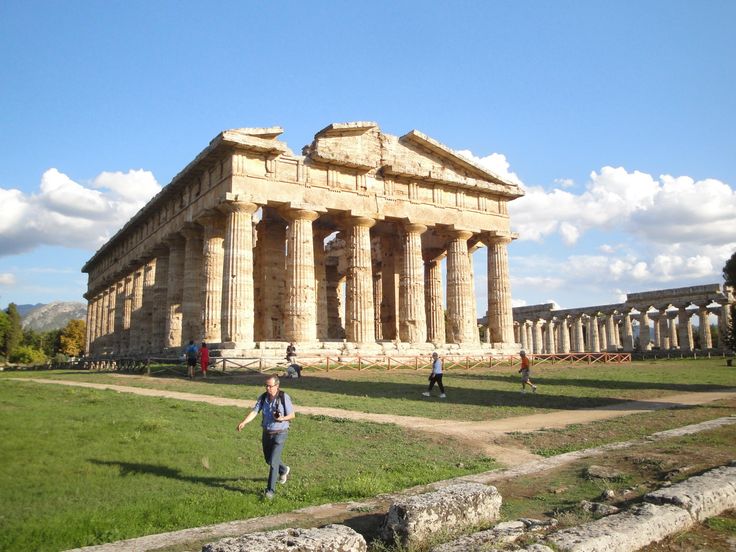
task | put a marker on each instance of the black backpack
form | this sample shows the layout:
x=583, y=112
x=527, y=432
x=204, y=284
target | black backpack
x=262, y=398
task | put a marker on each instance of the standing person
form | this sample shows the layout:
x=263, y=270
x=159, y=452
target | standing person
x=291, y=353
x=436, y=377
x=192, y=353
x=204, y=358
x=277, y=411
x=524, y=371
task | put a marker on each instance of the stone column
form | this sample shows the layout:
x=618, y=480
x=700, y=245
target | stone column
x=564, y=340
x=434, y=305
x=595, y=344
x=334, y=325
x=628, y=344
x=191, y=305
x=610, y=333
x=174, y=292
x=644, y=334
x=359, y=282
x=685, y=329
x=602, y=334
x=136, y=314
x=377, y=291
x=271, y=270
x=724, y=324
x=578, y=335
x=94, y=324
x=460, y=295
x=500, y=311
x=529, y=328
x=127, y=315
x=549, y=338
x=320, y=277
x=213, y=258
x=412, y=316
x=119, y=337
x=301, y=302
x=522, y=335
x=673, y=331
x=110, y=339
x=537, y=341
x=90, y=322
x=159, y=298
x=664, y=334
x=104, y=320
x=237, y=278
x=706, y=341
x=147, y=307
x=389, y=327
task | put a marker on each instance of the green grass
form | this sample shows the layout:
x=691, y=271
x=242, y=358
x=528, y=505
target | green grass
x=82, y=467
x=483, y=394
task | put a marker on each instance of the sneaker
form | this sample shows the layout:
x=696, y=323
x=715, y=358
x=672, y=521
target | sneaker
x=443, y=396
x=426, y=393
x=534, y=388
x=284, y=476
x=268, y=495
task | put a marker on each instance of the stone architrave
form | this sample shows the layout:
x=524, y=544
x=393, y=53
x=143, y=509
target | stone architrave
x=237, y=277
x=359, y=313
x=191, y=304
x=644, y=334
x=174, y=291
x=706, y=341
x=412, y=316
x=388, y=307
x=213, y=258
x=460, y=296
x=301, y=294
x=500, y=311
x=158, y=319
x=433, y=303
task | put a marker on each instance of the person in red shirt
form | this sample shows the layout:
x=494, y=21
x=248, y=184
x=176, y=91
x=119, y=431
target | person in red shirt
x=204, y=358
x=524, y=371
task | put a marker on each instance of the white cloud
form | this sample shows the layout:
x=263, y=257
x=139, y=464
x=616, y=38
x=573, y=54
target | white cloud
x=565, y=182
x=66, y=213
x=495, y=162
x=7, y=278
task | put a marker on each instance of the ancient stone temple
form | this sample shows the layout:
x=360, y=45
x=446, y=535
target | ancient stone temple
x=340, y=247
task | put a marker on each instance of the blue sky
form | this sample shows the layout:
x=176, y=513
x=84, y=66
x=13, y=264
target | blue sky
x=617, y=118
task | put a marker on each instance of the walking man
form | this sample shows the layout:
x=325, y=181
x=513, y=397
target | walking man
x=277, y=410
x=436, y=377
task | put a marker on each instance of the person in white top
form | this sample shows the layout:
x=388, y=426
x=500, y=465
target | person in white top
x=435, y=377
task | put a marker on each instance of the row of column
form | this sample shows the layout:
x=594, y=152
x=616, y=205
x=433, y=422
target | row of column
x=201, y=284
x=613, y=332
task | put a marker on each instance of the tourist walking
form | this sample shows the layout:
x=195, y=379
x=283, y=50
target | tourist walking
x=524, y=371
x=435, y=377
x=291, y=353
x=277, y=410
x=204, y=358
x=192, y=353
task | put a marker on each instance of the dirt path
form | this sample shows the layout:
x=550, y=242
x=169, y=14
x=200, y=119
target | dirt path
x=481, y=435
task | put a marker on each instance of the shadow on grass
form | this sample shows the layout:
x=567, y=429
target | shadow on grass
x=130, y=468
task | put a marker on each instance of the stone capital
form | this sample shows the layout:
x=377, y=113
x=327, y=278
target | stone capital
x=235, y=206
x=360, y=221
x=460, y=234
x=297, y=213
x=414, y=227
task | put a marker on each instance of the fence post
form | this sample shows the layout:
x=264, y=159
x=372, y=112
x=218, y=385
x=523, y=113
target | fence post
x=328, y=364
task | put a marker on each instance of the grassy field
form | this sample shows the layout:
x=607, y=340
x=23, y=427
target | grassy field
x=81, y=467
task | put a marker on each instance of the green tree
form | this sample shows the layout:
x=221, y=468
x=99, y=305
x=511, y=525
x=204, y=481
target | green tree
x=730, y=337
x=729, y=271
x=23, y=354
x=72, y=338
x=14, y=334
x=4, y=327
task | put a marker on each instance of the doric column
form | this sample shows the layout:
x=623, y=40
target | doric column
x=110, y=318
x=237, y=279
x=522, y=335
x=564, y=340
x=672, y=322
x=90, y=319
x=301, y=295
x=664, y=335
x=537, y=341
x=377, y=291
x=213, y=258
x=359, y=281
x=706, y=342
x=388, y=308
x=628, y=341
x=160, y=287
x=685, y=329
x=136, y=312
x=500, y=311
x=460, y=296
x=602, y=333
x=147, y=306
x=320, y=281
x=549, y=338
x=595, y=344
x=610, y=333
x=412, y=316
x=127, y=314
x=644, y=333
x=335, y=329
x=191, y=304
x=119, y=336
x=175, y=291
x=104, y=320
x=94, y=324
x=578, y=337
x=529, y=328
x=269, y=277
x=434, y=305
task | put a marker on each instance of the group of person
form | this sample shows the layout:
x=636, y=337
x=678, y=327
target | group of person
x=196, y=355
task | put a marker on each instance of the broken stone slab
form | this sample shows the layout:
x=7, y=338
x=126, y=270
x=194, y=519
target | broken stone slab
x=414, y=519
x=602, y=472
x=331, y=538
x=624, y=532
x=501, y=534
x=598, y=508
x=704, y=496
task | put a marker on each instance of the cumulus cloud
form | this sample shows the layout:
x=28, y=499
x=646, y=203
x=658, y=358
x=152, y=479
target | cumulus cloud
x=565, y=182
x=67, y=213
x=7, y=278
x=495, y=162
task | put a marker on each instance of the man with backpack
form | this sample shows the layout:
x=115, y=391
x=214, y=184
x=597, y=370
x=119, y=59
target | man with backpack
x=277, y=410
x=192, y=352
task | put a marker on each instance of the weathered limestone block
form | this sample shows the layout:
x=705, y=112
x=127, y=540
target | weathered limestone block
x=501, y=534
x=703, y=496
x=331, y=538
x=628, y=531
x=413, y=519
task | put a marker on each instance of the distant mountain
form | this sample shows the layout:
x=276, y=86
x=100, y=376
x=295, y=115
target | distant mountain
x=25, y=309
x=53, y=316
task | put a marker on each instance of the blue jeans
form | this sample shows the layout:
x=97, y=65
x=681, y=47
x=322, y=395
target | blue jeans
x=273, y=445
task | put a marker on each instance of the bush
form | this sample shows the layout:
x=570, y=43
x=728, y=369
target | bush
x=27, y=355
